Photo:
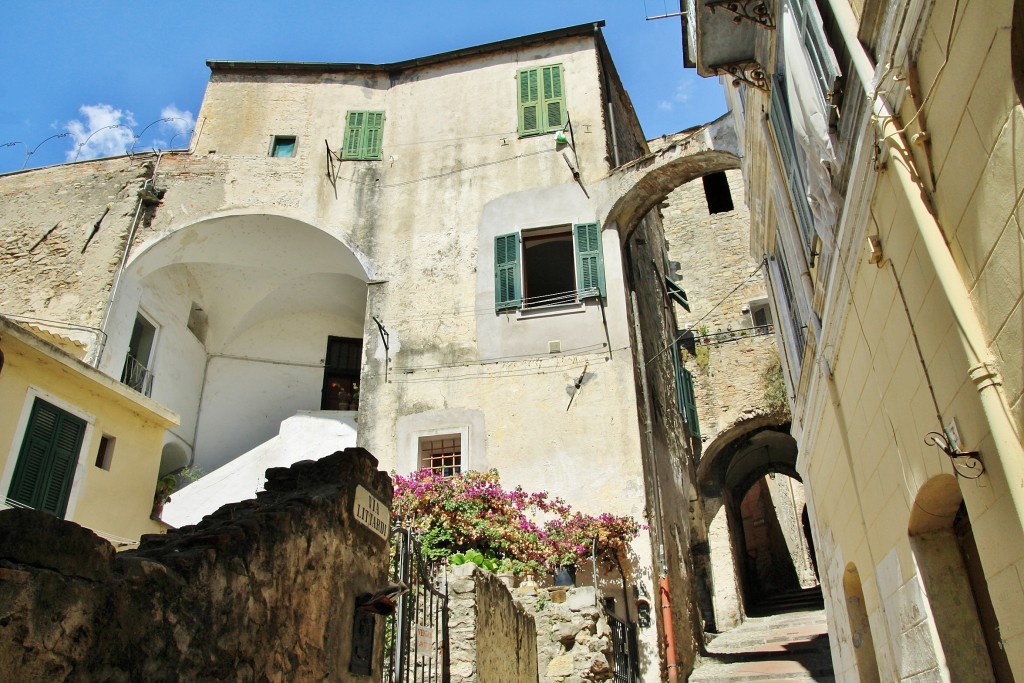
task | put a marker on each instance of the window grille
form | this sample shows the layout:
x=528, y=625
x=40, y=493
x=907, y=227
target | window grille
x=442, y=455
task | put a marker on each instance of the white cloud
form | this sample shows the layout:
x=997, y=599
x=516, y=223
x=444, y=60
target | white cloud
x=681, y=95
x=105, y=132
x=172, y=130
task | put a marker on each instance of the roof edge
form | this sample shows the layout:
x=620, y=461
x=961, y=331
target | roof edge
x=328, y=67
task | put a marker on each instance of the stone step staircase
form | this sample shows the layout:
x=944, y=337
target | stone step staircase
x=787, y=641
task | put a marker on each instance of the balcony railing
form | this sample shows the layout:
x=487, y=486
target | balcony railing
x=137, y=376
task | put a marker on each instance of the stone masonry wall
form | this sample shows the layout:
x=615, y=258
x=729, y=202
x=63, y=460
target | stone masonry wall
x=260, y=590
x=493, y=639
x=713, y=253
x=574, y=642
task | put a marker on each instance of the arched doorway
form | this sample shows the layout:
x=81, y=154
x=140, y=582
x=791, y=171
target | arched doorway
x=950, y=571
x=242, y=308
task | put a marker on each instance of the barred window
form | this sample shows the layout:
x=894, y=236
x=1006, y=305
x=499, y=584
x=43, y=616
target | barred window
x=442, y=454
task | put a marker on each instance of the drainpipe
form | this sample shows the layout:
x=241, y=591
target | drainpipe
x=101, y=345
x=672, y=668
x=981, y=364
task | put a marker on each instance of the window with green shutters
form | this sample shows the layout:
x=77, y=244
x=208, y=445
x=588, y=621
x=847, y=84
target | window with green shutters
x=46, y=463
x=541, y=100
x=689, y=401
x=548, y=266
x=364, y=131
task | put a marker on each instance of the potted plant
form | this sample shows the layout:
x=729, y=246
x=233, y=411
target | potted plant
x=165, y=486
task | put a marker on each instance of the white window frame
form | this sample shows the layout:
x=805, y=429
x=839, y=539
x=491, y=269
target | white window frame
x=81, y=462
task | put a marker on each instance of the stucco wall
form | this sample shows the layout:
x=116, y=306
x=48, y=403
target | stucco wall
x=33, y=369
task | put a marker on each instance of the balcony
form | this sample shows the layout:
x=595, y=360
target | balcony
x=137, y=376
x=720, y=36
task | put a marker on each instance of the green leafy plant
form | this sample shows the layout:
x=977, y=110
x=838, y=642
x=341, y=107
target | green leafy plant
x=773, y=385
x=703, y=357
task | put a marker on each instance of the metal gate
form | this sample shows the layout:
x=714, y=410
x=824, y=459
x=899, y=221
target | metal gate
x=417, y=635
x=624, y=648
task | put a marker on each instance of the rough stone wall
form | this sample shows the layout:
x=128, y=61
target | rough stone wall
x=574, y=642
x=261, y=590
x=493, y=639
x=63, y=230
x=713, y=253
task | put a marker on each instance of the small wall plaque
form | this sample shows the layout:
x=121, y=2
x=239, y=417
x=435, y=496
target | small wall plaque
x=371, y=512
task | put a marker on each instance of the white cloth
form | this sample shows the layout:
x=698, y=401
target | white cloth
x=810, y=127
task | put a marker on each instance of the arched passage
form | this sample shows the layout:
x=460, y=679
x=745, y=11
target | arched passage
x=241, y=308
x=753, y=499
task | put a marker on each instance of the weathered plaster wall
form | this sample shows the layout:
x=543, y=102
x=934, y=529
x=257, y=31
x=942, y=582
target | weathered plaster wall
x=264, y=590
x=48, y=216
x=879, y=405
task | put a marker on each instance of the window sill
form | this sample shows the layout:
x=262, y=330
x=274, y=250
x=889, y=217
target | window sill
x=547, y=311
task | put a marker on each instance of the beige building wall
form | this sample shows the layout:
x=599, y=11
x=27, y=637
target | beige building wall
x=115, y=502
x=925, y=340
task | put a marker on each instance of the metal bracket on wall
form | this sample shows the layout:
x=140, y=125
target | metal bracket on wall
x=749, y=72
x=755, y=11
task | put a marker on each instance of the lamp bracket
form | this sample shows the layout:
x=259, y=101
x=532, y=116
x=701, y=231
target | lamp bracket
x=755, y=11
x=747, y=71
x=966, y=464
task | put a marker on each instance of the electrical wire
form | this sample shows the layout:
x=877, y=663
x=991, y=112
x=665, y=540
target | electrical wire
x=691, y=328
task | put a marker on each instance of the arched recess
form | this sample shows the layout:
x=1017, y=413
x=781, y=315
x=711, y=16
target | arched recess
x=954, y=583
x=243, y=307
x=860, y=627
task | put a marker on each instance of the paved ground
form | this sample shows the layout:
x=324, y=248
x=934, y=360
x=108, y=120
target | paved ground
x=786, y=647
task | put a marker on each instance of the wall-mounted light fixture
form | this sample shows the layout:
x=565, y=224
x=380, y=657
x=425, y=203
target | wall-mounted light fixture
x=965, y=464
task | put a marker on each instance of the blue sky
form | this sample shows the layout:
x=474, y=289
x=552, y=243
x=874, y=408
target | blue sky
x=73, y=67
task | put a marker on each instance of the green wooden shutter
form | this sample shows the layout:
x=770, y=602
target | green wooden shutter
x=677, y=368
x=554, y=98
x=529, y=102
x=373, y=135
x=589, y=260
x=690, y=403
x=506, y=272
x=46, y=464
x=353, y=145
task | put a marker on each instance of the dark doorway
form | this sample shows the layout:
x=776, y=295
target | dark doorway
x=341, y=374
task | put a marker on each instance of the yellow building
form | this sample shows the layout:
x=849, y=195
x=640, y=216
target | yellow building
x=884, y=164
x=75, y=442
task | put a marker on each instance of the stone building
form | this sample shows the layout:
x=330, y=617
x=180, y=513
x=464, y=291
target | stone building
x=477, y=285
x=882, y=167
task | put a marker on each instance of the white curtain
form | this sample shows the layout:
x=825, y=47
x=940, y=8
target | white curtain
x=810, y=127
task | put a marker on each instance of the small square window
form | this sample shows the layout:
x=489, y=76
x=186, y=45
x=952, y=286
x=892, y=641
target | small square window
x=283, y=146
x=442, y=454
x=717, y=193
x=105, y=453
x=761, y=317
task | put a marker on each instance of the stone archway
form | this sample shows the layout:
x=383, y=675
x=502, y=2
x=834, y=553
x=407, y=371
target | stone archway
x=243, y=306
x=753, y=500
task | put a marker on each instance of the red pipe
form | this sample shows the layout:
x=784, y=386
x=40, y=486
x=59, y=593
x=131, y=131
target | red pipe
x=670, y=634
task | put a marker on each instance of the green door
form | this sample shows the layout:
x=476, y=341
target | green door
x=46, y=464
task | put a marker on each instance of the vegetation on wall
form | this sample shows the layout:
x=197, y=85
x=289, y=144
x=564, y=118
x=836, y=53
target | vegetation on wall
x=471, y=515
x=773, y=384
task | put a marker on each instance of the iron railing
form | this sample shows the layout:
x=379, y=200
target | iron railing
x=137, y=376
